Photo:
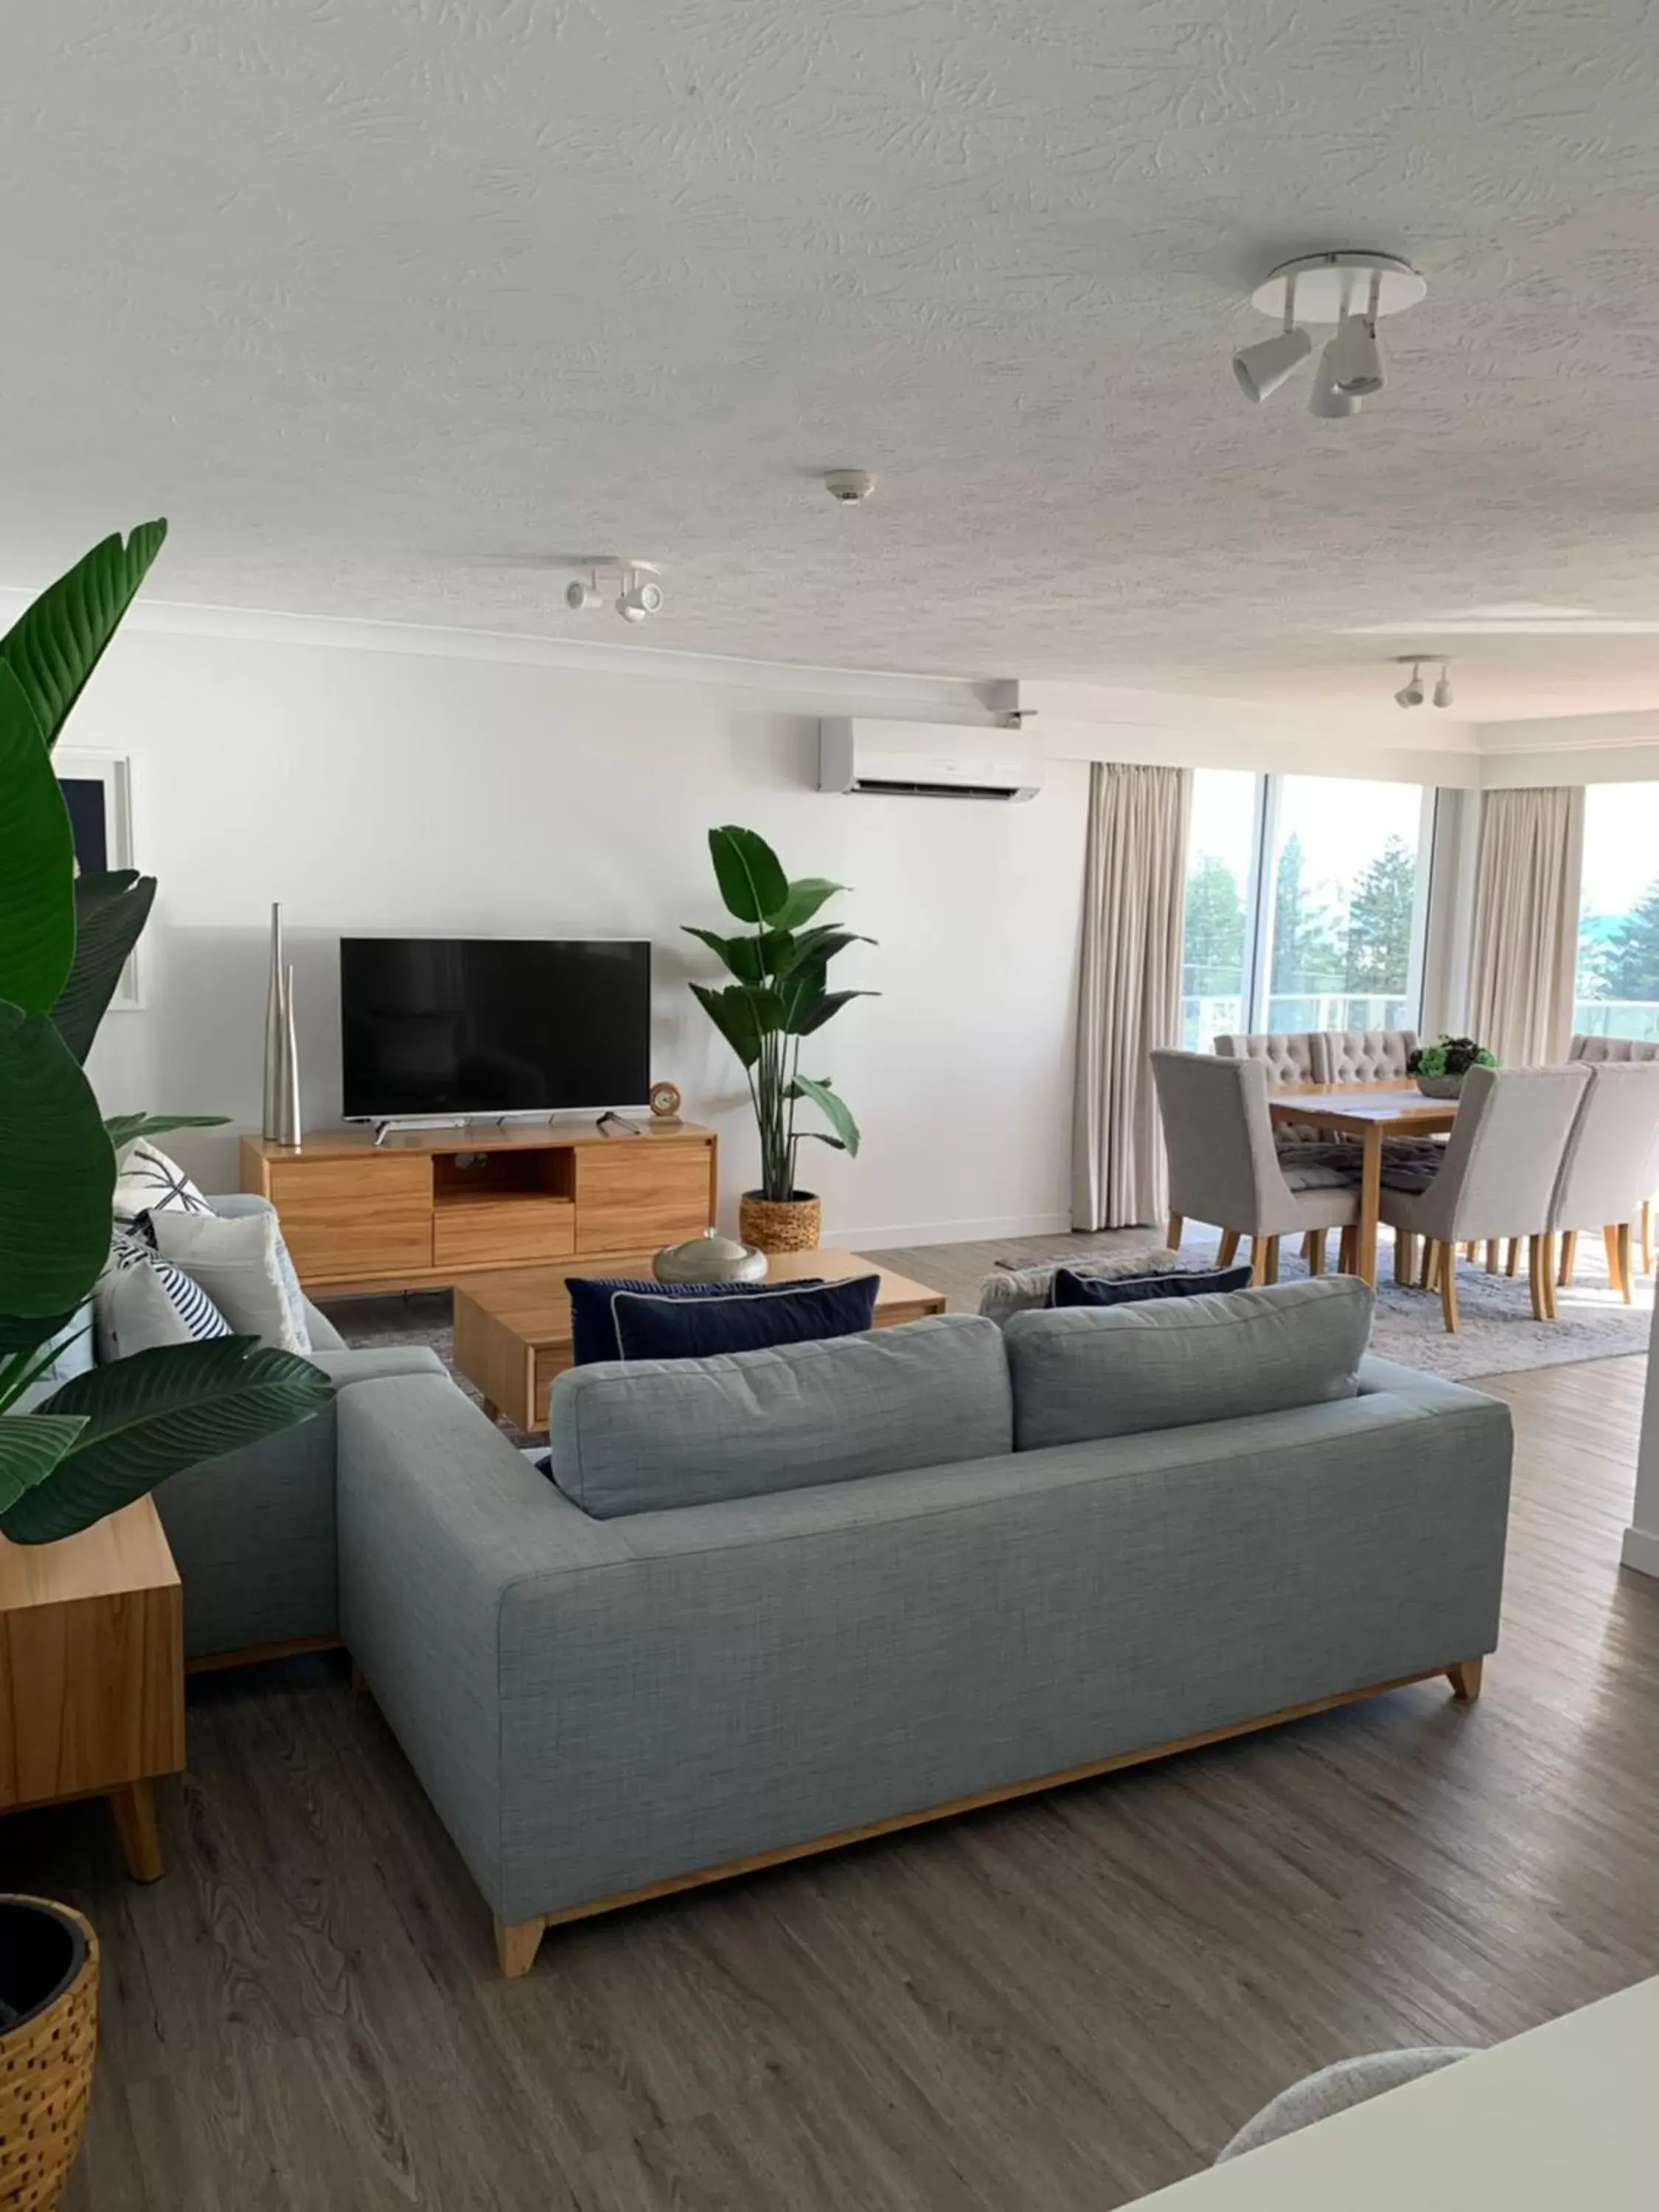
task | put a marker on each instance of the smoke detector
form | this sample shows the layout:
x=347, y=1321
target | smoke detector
x=849, y=487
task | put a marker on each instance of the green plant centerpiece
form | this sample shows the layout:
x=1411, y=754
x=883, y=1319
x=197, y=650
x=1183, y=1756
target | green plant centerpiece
x=1441, y=1066
x=778, y=994
x=108, y=1436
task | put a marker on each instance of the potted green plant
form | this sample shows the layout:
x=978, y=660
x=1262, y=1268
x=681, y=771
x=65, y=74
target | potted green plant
x=779, y=993
x=1441, y=1066
x=110, y=1436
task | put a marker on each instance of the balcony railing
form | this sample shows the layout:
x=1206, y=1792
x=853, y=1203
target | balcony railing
x=1618, y=1018
x=1203, y=1019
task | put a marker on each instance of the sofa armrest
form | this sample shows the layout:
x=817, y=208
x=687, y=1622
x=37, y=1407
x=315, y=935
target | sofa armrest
x=440, y=1517
x=379, y=1362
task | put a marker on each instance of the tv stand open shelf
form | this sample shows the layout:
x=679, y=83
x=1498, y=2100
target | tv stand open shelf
x=429, y=1208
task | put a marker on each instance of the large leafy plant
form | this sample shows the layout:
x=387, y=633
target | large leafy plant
x=109, y=1436
x=780, y=994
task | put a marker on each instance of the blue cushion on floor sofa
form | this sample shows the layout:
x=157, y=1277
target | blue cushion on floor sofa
x=1074, y=1290
x=663, y=1328
x=592, y=1320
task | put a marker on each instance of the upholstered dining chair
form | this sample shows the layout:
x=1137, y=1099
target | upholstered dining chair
x=1604, y=1051
x=1369, y=1055
x=1611, y=1164
x=1224, y=1168
x=1497, y=1178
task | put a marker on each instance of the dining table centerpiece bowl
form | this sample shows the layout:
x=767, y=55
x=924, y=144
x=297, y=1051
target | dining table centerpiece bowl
x=1441, y=1066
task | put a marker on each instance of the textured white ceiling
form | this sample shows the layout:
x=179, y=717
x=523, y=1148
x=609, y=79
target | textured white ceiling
x=380, y=301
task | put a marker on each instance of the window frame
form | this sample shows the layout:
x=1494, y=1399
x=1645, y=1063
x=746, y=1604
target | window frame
x=1258, y=899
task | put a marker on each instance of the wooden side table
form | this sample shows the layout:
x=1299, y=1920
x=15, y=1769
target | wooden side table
x=92, y=1673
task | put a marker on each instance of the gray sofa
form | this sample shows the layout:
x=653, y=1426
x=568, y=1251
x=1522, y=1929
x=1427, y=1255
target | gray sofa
x=253, y=1533
x=838, y=1587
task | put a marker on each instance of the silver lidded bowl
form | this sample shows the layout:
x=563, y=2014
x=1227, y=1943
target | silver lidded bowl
x=710, y=1258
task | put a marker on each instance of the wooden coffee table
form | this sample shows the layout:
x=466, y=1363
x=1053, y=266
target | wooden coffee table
x=92, y=1673
x=513, y=1331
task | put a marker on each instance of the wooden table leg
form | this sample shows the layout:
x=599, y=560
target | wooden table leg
x=134, y=1806
x=1370, y=1200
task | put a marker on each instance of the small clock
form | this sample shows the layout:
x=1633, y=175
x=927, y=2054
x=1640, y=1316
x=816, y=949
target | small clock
x=665, y=1101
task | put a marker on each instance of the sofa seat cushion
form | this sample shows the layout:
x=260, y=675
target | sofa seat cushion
x=1084, y=1373
x=649, y=1328
x=647, y=1436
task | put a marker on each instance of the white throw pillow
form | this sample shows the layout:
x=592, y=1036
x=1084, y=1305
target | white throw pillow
x=243, y=1265
x=154, y=1304
x=148, y=1182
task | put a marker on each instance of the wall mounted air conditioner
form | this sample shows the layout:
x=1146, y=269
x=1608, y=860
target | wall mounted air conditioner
x=927, y=760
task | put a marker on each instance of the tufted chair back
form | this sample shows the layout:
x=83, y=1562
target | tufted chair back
x=1603, y=1052
x=1370, y=1056
x=1298, y=1057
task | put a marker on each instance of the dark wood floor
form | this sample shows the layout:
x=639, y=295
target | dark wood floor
x=1061, y=2004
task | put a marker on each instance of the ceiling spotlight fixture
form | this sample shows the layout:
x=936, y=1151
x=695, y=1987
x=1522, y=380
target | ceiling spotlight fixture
x=1349, y=290
x=1443, y=689
x=1411, y=694
x=639, y=595
x=849, y=487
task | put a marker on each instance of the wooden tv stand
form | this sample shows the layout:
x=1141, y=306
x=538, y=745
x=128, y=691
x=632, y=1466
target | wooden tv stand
x=428, y=1207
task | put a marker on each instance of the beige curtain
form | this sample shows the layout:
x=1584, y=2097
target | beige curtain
x=1525, y=923
x=1129, y=988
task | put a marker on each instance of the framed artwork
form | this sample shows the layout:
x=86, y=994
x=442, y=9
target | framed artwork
x=97, y=789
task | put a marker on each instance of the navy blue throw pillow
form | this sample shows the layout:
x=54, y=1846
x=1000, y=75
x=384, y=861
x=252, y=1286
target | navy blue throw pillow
x=1074, y=1290
x=662, y=1328
x=592, y=1322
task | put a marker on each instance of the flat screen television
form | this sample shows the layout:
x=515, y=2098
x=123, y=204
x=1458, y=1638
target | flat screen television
x=435, y=1025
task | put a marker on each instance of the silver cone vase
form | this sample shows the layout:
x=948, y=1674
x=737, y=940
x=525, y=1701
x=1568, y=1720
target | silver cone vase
x=281, y=1121
x=288, y=1105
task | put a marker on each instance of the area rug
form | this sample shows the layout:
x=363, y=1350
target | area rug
x=1497, y=1334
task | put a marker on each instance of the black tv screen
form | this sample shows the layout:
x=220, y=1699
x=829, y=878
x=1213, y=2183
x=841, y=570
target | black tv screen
x=493, y=1025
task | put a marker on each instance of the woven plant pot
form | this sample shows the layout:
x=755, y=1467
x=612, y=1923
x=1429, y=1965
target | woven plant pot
x=49, y=1975
x=779, y=1224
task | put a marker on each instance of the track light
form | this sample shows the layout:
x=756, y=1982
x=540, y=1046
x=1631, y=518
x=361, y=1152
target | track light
x=1443, y=689
x=1324, y=399
x=1411, y=694
x=1348, y=290
x=1352, y=359
x=1260, y=369
x=639, y=595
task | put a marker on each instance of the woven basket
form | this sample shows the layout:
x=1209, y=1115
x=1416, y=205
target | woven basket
x=779, y=1224
x=46, y=2072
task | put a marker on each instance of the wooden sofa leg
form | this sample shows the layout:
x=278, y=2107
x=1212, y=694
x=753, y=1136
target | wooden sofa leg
x=1465, y=1679
x=518, y=1941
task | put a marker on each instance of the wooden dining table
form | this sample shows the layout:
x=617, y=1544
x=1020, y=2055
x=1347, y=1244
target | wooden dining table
x=1370, y=1112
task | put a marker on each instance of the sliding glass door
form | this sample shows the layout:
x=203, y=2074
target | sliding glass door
x=1306, y=902
x=1617, y=990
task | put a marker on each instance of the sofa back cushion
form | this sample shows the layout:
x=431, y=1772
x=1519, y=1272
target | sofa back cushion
x=1083, y=1372
x=648, y=1436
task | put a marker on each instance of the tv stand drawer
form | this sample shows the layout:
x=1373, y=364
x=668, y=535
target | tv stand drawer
x=503, y=1232
x=636, y=1193
x=371, y=1215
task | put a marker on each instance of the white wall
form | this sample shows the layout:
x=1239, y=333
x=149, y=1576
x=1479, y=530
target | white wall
x=428, y=790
